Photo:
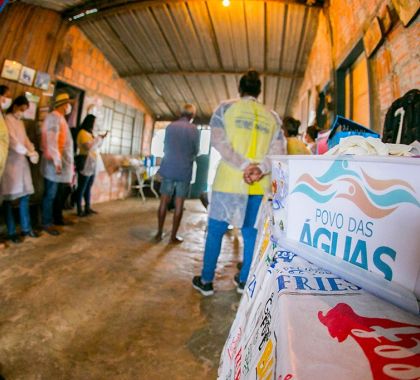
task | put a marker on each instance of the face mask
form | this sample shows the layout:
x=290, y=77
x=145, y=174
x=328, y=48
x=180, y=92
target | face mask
x=6, y=103
x=18, y=115
x=68, y=109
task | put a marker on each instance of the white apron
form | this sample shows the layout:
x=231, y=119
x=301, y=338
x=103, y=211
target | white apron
x=17, y=180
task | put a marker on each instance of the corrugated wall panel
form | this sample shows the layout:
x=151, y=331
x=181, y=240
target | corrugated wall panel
x=200, y=16
x=163, y=57
x=213, y=86
x=295, y=16
x=175, y=39
x=255, y=20
x=124, y=24
x=201, y=99
x=188, y=32
x=232, y=82
x=170, y=94
x=238, y=30
x=283, y=93
x=105, y=39
x=56, y=5
x=221, y=21
x=275, y=24
x=270, y=91
x=144, y=87
x=310, y=32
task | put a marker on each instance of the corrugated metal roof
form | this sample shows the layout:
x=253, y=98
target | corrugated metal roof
x=194, y=51
x=56, y=5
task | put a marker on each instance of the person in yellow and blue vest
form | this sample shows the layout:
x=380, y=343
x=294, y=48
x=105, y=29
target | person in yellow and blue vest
x=245, y=133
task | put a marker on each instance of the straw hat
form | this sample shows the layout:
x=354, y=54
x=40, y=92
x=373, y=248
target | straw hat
x=62, y=99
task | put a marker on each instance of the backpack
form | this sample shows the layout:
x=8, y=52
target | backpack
x=402, y=121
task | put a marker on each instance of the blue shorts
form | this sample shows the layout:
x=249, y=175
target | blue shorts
x=171, y=186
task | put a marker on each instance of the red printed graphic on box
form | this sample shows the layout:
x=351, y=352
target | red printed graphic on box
x=392, y=348
x=235, y=352
x=289, y=376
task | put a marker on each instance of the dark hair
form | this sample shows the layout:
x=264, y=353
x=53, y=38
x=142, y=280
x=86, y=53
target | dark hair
x=19, y=101
x=250, y=84
x=3, y=89
x=88, y=123
x=312, y=132
x=291, y=126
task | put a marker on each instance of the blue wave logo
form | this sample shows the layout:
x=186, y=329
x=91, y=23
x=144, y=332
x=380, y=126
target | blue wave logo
x=372, y=196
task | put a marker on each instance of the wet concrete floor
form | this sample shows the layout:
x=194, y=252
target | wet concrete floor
x=104, y=301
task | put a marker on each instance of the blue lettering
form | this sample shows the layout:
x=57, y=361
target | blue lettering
x=318, y=233
x=360, y=228
x=339, y=221
x=380, y=264
x=317, y=214
x=360, y=250
x=334, y=285
x=334, y=240
x=369, y=230
x=302, y=282
x=320, y=283
x=352, y=286
x=347, y=248
x=251, y=286
x=352, y=224
x=281, y=281
x=305, y=236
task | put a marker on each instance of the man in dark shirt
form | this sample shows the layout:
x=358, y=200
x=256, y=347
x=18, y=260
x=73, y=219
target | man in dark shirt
x=180, y=149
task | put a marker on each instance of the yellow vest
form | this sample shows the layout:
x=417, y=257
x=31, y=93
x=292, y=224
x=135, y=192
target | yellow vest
x=249, y=128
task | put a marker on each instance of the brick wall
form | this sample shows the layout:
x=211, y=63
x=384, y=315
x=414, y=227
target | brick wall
x=40, y=39
x=81, y=64
x=394, y=67
x=113, y=182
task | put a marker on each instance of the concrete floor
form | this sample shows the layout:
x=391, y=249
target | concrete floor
x=103, y=301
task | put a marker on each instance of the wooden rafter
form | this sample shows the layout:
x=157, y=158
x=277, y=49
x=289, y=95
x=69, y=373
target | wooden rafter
x=214, y=72
x=108, y=8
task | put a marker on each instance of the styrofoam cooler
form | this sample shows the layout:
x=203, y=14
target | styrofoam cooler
x=299, y=321
x=362, y=211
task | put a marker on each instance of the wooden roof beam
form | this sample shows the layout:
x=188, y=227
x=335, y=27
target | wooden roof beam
x=96, y=9
x=280, y=74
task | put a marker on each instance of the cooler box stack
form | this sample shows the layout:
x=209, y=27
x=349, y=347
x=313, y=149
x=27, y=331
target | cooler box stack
x=334, y=287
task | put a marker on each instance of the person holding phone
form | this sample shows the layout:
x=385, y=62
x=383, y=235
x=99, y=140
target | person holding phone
x=86, y=159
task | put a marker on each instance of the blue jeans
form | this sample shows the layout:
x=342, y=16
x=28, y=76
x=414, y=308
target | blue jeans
x=215, y=232
x=50, y=191
x=84, y=184
x=25, y=219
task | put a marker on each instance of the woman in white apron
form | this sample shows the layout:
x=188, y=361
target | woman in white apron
x=16, y=182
